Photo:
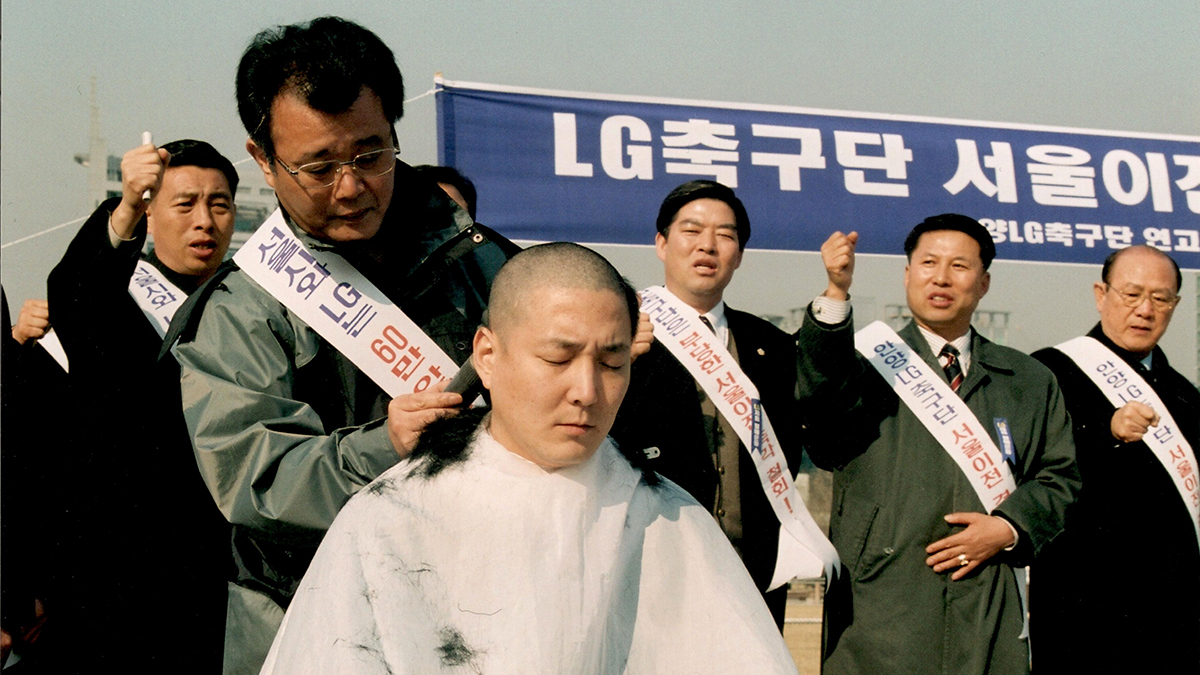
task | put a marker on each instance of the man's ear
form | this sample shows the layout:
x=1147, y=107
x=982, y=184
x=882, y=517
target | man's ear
x=483, y=355
x=260, y=158
x=660, y=246
x=1099, y=289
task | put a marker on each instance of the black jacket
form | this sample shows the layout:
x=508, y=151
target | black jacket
x=144, y=573
x=662, y=409
x=1128, y=564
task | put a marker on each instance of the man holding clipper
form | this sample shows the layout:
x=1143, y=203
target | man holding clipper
x=368, y=280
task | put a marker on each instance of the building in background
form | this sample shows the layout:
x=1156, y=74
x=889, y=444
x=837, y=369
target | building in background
x=255, y=199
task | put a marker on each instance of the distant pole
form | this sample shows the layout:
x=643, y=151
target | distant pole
x=97, y=155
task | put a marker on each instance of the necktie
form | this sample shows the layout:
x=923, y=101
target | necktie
x=708, y=323
x=953, y=370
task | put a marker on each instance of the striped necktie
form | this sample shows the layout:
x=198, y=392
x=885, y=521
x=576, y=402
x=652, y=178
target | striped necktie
x=951, y=365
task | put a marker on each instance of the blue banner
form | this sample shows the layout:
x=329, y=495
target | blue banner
x=594, y=168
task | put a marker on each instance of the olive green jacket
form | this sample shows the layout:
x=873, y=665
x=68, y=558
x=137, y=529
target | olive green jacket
x=286, y=429
x=893, y=483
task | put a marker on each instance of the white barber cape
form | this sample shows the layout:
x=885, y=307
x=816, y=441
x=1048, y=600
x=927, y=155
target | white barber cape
x=497, y=566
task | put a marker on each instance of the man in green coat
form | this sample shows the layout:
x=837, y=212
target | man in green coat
x=285, y=427
x=930, y=583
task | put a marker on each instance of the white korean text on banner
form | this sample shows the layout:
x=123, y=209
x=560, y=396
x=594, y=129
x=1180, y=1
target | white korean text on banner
x=594, y=168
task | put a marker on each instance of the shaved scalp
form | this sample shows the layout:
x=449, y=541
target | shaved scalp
x=555, y=265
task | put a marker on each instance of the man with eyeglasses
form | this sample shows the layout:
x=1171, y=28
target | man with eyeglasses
x=285, y=426
x=1134, y=505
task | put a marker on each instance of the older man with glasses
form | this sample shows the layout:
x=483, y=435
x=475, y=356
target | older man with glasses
x=1127, y=569
x=286, y=427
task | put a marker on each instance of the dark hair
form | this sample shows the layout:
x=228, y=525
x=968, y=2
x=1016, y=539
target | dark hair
x=958, y=223
x=1106, y=270
x=187, y=152
x=326, y=62
x=703, y=189
x=451, y=176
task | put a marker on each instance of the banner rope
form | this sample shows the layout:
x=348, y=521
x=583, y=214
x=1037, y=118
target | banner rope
x=48, y=230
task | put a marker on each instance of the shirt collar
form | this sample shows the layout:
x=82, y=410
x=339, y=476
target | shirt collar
x=962, y=343
x=1128, y=356
x=720, y=323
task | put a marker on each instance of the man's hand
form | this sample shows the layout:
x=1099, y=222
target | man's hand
x=1129, y=423
x=33, y=321
x=141, y=169
x=984, y=537
x=408, y=415
x=643, y=338
x=838, y=255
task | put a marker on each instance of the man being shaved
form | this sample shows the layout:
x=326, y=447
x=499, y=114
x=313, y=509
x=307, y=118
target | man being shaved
x=519, y=539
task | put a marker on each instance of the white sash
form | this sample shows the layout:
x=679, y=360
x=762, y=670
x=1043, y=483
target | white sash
x=947, y=418
x=54, y=348
x=155, y=296
x=345, y=309
x=943, y=413
x=1121, y=384
x=803, y=549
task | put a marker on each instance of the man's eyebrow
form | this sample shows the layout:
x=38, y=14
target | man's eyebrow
x=571, y=345
x=372, y=141
x=375, y=141
x=615, y=348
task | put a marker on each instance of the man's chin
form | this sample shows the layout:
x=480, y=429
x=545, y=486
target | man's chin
x=575, y=451
x=346, y=232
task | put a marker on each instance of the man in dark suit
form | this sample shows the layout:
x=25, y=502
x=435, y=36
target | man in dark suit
x=669, y=424
x=1128, y=494
x=142, y=570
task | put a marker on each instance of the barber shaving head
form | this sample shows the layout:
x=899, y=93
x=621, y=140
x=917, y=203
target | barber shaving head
x=319, y=100
x=554, y=352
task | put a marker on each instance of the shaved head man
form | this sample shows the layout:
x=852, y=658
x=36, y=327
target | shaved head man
x=1134, y=462
x=519, y=539
x=555, y=353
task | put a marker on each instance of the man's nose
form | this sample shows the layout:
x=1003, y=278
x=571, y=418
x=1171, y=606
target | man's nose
x=585, y=386
x=1144, y=307
x=348, y=184
x=202, y=218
